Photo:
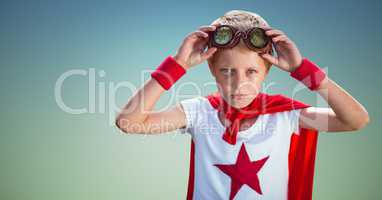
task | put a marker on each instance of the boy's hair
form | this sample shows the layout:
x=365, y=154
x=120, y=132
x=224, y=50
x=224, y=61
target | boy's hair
x=242, y=20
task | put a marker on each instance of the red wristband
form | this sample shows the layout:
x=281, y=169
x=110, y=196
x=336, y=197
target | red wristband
x=168, y=72
x=309, y=74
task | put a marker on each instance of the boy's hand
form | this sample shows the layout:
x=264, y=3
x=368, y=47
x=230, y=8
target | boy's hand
x=288, y=56
x=191, y=52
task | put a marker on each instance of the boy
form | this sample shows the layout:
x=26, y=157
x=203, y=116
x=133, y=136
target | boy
x=244, y=142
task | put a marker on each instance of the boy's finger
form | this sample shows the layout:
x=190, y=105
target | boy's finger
x=274, y=32
x=203, y=34
x=216, y=24
x=208, y=53
x=200, y=34
x=280, y=38
x=207, y=28
x=266, y=28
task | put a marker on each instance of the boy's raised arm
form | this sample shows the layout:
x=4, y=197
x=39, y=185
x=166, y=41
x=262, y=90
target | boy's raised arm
x=138, y=116
x=345, y=112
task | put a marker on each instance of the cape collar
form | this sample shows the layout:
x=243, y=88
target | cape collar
x=262, y=104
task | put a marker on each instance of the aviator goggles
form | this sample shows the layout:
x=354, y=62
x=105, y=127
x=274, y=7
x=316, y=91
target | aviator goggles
x=226, y=36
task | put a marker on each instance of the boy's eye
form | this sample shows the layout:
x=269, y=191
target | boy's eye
x=252, y=71
x=227, y=71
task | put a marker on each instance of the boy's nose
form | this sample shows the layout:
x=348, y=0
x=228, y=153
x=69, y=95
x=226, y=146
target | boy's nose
x=241, y=77
x=242, y=83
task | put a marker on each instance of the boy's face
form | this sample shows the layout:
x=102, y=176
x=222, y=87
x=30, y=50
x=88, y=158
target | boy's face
x=239, y=73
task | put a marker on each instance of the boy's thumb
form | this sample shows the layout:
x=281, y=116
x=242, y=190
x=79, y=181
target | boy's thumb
x=207, y=54
x=269, y=58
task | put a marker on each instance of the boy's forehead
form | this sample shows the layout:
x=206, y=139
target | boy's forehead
x=238, y=59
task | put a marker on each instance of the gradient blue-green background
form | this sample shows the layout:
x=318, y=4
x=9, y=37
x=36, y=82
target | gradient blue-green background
x=46, y=153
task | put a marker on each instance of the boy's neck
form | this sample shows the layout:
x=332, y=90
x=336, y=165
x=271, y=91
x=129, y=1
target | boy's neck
x=245, y=123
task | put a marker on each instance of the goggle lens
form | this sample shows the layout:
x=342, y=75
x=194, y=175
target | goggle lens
x=223, y=35
x=258, y=38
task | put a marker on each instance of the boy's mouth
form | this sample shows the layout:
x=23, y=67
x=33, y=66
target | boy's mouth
x=239, y=96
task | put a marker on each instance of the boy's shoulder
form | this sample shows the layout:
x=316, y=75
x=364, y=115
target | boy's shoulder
x=196, y=103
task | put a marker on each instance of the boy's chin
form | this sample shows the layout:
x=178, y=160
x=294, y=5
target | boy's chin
x=240, y=103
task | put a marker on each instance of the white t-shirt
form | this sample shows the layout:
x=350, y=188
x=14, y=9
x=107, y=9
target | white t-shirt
x=268, y=137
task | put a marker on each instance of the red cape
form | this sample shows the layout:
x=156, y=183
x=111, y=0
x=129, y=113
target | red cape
x=302, y=152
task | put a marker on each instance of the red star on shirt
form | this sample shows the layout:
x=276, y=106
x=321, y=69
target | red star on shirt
x=244, y=171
